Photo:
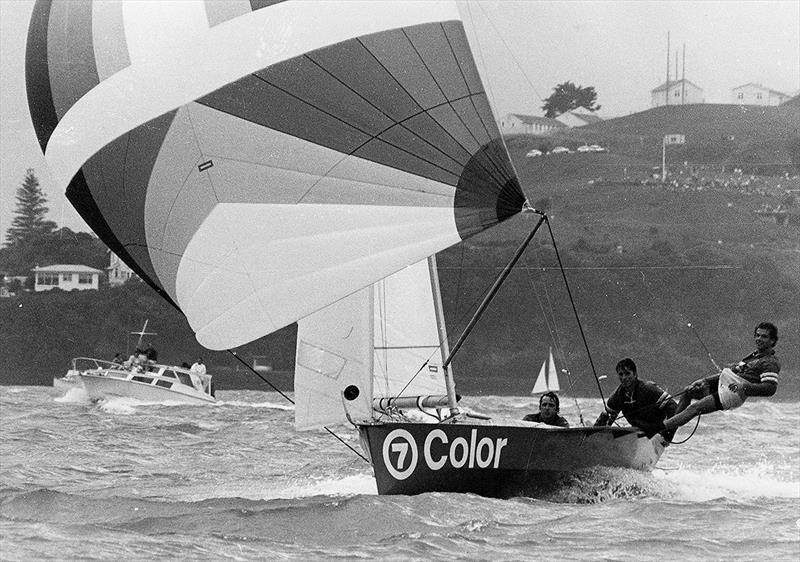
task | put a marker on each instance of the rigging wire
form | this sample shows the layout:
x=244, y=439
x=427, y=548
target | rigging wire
x=552, y=328
x=575, y=311
x=326, y=428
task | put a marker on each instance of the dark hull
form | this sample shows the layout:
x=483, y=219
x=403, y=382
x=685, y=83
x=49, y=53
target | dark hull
x=496, y=461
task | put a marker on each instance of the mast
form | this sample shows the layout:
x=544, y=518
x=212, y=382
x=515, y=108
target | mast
x=452, y=401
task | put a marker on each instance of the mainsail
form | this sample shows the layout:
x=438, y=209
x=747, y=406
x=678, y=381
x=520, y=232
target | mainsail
x=384, y=340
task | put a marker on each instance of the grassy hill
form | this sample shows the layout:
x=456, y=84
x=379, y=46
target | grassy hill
x=642, y=261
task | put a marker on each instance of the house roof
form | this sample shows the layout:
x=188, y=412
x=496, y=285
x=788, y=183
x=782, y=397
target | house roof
x=65, y=268
x=760, y=87
x=586, y=117
x=534, y=120
x=674, y=83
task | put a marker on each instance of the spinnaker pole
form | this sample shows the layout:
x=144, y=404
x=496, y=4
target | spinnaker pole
x=481, y=308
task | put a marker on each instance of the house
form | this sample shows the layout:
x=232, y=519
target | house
x=518, y=124
x=679, y=92
x=118, y=270
x=577, y=118
x=66, y=277
x=756, y=94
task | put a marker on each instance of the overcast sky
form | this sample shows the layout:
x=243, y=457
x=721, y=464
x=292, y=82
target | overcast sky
x=524, y=48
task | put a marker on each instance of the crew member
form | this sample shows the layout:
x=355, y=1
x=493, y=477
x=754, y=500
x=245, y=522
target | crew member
x=755, y=375
x=644, y=404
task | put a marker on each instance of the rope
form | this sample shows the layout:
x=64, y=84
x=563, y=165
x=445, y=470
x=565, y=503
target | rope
x=326, y=428
x=696, y=425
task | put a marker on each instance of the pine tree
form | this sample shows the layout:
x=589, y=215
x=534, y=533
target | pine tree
x=29, y=224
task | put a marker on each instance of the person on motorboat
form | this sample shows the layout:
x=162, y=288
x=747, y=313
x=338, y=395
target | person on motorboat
x=548, y=411
x=151, y=353
x=755, y=375
x=644, y=404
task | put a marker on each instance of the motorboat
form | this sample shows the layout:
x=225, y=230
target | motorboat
x=147, y=382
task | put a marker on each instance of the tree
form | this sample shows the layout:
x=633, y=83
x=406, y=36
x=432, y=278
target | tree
x=30, y=223
x=568, y=96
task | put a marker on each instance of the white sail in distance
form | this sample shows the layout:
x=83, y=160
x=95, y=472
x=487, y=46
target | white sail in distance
x=547, y=380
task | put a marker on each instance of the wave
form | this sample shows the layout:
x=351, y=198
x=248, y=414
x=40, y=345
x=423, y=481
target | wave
x=76, y=395
x=266, y=405
x=727, y=481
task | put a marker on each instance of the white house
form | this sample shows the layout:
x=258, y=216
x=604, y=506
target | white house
x=756, y=94
x=518, y=124
x=118, y=270
x=577, y=118
x=66, y=277
x=679, y=92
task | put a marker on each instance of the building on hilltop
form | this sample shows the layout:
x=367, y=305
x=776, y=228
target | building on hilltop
x=756, y=94
x=679, y=92
x=577, y=118
x=518, y=124
x=66, y=277
x=118, y=270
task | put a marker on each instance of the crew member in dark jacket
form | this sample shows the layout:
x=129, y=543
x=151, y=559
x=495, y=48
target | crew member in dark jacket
x=548, y=411
x=644, y=404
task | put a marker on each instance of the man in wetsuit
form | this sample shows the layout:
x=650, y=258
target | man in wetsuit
x=548, y=411
x=755, y=375
x=644, y=404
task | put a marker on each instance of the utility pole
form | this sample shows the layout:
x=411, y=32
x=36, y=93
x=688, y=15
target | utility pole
x=666, y=86
x=683, y=80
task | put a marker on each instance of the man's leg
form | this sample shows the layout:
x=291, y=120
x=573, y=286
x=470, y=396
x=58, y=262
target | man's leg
x=703, y=406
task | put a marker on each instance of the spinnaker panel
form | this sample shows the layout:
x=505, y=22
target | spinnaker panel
x=258, y=161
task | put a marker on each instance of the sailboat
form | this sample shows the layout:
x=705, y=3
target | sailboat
x=547, y=380
x=265, y=163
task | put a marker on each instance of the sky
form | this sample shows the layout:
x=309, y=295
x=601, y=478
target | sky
x=523, y=49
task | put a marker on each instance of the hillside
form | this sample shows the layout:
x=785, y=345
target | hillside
x=642, y=260
x=715, y=134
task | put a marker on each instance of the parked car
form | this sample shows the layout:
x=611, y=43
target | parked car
x=597, y=148
x=533, y=153
x=561, y=150
x=585, y=148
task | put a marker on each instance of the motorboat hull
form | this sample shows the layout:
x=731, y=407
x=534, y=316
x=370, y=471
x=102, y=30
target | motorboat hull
x=103, y=386
x=496, y=461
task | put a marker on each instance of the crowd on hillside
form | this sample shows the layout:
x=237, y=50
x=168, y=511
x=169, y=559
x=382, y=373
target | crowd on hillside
x=686, y=177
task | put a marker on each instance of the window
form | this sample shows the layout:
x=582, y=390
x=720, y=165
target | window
x=758, y=96
x=740, y=95
x=66, y=277
x=85, y=278
x=47, y=278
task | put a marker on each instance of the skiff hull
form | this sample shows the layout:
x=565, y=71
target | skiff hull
x=496, y=461
x=100, y=386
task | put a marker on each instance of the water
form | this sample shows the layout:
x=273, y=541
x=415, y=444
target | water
x=124, y=480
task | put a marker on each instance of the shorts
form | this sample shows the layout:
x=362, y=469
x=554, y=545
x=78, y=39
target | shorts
x=724, y=397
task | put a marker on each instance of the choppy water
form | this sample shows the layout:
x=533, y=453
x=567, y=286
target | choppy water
x=123, y=480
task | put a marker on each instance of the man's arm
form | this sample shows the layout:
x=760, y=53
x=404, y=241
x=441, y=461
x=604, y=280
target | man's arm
x=763, y=388
x=606, y=418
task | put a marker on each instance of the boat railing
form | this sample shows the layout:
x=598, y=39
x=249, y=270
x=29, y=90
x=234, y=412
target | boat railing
x=91, y=364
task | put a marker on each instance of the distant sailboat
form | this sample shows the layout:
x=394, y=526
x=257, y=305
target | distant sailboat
x=547, y=381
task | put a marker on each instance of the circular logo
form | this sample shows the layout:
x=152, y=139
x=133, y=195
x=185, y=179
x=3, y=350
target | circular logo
x=400, y=454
